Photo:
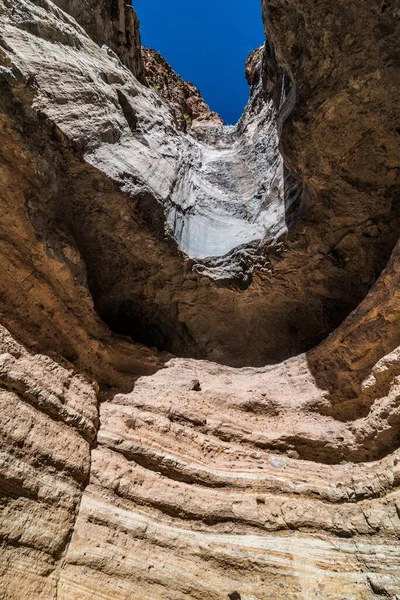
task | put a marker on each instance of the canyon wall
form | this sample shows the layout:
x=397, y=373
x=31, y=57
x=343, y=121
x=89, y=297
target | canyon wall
x=183, y=97
x=200, y=325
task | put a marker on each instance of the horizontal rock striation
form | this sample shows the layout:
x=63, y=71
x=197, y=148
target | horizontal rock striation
x=49, y=419
x=197, y=489
x=126, y=472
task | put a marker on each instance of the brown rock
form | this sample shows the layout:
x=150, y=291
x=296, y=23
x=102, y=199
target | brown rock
x=185, y=100
x=48, y=421
x=252, y=64
x=125, y=473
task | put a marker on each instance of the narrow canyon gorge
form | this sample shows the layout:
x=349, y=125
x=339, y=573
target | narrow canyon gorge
x=199, y=323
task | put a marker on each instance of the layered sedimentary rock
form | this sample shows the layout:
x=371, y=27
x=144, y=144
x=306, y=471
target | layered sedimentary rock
x=189, y=498
x=49, y=419
x=128, y=473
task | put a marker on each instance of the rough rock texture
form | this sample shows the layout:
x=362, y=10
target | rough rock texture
x=252, y=65
x=104, y=156
x=186, y=101
x=344, y=88
x=211, y=211
x=244, y=245
x=110, y=22
x=189, y=498
x=49, y=419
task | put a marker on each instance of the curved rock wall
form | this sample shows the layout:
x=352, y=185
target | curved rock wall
x=245, y=246
x=189, y=497
x=224, y=192
x=49, y=418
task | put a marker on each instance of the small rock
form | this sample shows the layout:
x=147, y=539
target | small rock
x=293, y=454
x=195, y=385
x=277, y=463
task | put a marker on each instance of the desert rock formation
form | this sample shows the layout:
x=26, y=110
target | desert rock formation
x=182, y=96
x=200, y=329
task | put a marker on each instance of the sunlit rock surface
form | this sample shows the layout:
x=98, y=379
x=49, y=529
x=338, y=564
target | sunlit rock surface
x=270, y=470
x=184, y=99
x=231, y=192
x=189, y=497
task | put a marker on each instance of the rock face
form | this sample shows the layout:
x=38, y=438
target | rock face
x=111, y=22
x=49, y=418
x=212, y=211
x=184, y=99
x=189, y=498
x=129, y=473
x=252, y=65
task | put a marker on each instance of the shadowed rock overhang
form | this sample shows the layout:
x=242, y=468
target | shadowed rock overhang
x=267, y=222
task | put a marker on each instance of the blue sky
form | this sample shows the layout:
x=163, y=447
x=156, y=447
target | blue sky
x=207, y=43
